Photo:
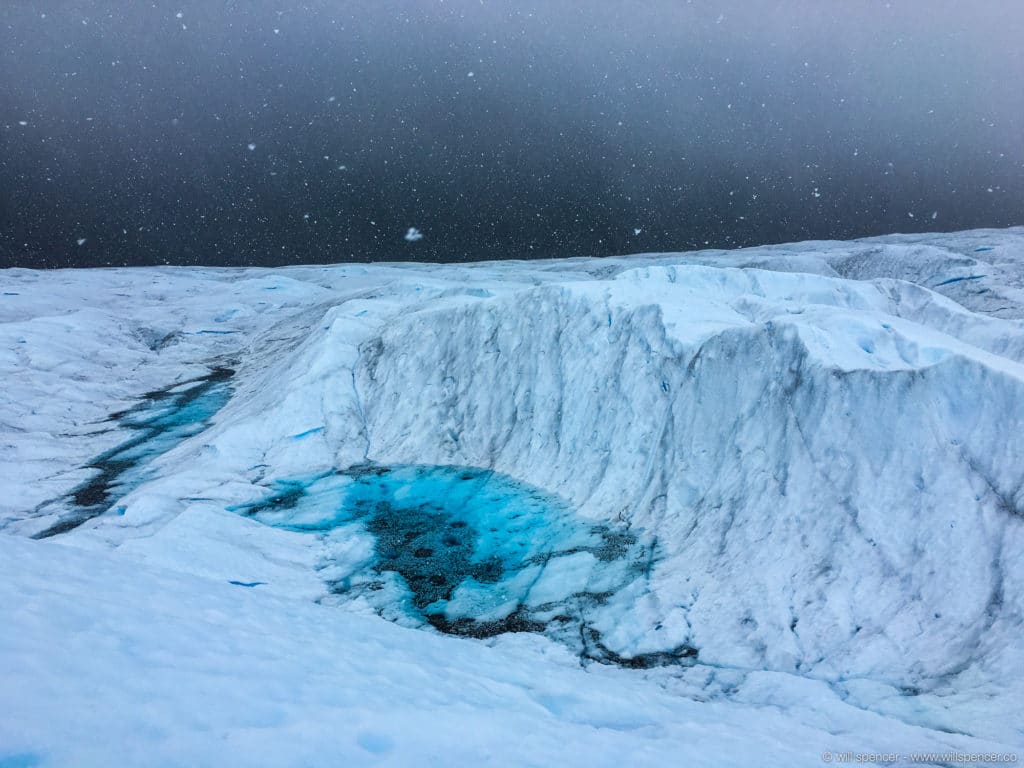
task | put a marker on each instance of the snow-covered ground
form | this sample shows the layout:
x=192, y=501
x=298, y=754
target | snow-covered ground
x=820, y=446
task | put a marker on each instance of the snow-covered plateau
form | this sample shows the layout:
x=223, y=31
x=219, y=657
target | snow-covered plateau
x=751, y=508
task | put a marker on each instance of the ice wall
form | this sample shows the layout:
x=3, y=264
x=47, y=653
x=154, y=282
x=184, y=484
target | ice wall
x=834, y=489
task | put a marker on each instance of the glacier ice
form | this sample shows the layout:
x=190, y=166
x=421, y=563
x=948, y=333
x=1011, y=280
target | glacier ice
x=819, y=444
x=163, y=419
x=472, y=553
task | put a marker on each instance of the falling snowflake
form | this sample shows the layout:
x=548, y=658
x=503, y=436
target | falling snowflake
x=413, y=235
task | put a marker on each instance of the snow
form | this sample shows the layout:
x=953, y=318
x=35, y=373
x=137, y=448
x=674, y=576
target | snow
x=817, y=445
x=116, y=660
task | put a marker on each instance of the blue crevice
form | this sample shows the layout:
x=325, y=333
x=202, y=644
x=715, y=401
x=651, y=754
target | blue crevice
x=959, y=279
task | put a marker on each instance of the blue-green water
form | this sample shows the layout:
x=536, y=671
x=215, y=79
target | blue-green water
x=467, y=550
x=159, y=422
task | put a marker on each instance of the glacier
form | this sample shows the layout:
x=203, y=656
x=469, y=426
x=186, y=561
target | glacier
x=768, y=504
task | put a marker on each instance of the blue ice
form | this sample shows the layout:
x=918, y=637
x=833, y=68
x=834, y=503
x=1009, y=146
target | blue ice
x=162, y=421
x=474, y=552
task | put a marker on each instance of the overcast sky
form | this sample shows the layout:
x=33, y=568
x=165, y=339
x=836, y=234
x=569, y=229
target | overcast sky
x=257, y=132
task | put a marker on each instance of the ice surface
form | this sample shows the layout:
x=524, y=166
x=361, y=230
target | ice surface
x=160, y=422
x=474, y=552
x=116, y=661
x=819, y=444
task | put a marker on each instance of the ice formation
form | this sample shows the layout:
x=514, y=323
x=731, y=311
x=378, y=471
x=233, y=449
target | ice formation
x=752, y=506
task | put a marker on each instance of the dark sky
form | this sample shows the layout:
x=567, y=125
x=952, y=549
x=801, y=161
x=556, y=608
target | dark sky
x=257, y=132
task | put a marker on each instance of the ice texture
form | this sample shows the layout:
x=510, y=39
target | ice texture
x=471, y=552
x=818, y=444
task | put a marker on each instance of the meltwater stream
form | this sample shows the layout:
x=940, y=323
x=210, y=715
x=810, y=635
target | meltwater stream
x=160, y=421
x=470, y=552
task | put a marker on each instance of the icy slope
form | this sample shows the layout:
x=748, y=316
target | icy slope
x=827, y=470
x=120, y=663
